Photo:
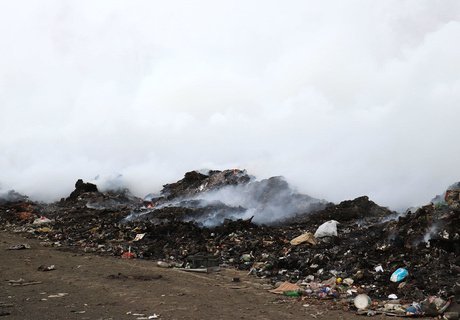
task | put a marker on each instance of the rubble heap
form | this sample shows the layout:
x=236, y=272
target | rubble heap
x=82, y=187
x=209, y=198
x=366, y=244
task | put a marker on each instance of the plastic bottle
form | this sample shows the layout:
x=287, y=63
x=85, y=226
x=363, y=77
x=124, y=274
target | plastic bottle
x=292, y=293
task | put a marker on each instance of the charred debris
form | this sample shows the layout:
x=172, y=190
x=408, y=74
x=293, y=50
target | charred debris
x=248, y=224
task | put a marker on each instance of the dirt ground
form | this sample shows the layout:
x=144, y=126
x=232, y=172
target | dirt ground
x=87, y=286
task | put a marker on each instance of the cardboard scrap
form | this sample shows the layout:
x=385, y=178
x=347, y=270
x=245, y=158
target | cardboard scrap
x=285, y=286
x=306, y=237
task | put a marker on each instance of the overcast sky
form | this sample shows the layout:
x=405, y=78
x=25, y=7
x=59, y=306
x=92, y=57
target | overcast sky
x=343, y=98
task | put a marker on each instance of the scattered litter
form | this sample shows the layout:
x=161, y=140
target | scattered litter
x=414, y=310
x=292, y=293
x=399, y=275
x=306, y=237
x=121, y=276
x=197, y=270
x=58, y=295
x=393, y=308
x=139, y=236
x=247, y=257
x=20, y=246
x=327, y=229
x=181, y=220
x=434, y=306
x=285, y=286
x=22, y=282
x=362, y=301
x=142, y=316
x=163, y=264
x=42, y=220
x=46, y=268
x=128, y=254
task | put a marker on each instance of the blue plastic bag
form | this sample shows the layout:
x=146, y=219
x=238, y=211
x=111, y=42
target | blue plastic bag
x=399, y=275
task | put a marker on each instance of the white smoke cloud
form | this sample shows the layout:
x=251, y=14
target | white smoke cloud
x=343, y=98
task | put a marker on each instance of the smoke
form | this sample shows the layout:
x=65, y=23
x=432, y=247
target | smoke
x=430, y=233
x=11, y=196
x=341, y=98
x=267, y=201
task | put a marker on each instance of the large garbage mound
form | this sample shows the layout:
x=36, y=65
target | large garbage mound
x=81, y=188
x=195, y=182
x=211, y=197
x=360, y=210
x=355, y=240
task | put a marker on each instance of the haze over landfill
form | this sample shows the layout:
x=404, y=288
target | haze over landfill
x=342, y=98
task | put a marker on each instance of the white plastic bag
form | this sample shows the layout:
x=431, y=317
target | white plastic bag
x=327, y=229
x=42, y=220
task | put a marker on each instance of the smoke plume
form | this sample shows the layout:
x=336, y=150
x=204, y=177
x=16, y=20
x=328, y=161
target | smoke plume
x=343, y=98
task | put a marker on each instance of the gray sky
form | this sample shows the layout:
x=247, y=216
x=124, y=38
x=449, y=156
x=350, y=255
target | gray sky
x=343, y=98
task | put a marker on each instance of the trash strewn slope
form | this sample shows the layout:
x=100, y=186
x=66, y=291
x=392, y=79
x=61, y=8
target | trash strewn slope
x=263, y=227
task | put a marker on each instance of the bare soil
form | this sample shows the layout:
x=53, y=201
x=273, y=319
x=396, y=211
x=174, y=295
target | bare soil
x=88, y=286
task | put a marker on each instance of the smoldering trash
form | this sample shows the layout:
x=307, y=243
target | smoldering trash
x=406, y=264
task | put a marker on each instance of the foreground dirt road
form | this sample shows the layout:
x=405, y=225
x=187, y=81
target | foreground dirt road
x=86, y=286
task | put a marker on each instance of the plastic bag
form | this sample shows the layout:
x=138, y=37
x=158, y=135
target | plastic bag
x=399, y=275
x=327, y=229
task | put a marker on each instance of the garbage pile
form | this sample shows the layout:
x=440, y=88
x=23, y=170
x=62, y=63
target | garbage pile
x=211, y=197
x=409, y=263
x=12, y=196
